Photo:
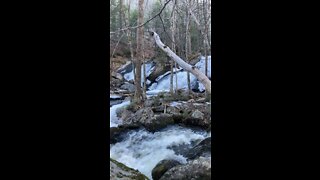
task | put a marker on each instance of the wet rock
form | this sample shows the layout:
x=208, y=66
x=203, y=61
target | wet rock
x=201, y=149
x=117, y=76
x=128, y=86
x=115, y=102
x=198, y=169
x=201, y=100
x=197, y=114
x=158, y=109
x=142, y=116
x=160, y=69
x=181, y=149
x=117, y=134
x=191, y=114
x=115, y=82
x=126, y=114
x=119, y=171
x=190, y=121
x=125, y=68
x=145, y=117
x=158, y=122
x=162, y=167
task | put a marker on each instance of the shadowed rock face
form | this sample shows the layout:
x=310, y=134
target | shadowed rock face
x=162, y=167
x=119, y=171
x=202, y=149
x=198, y=169
x=145, y=117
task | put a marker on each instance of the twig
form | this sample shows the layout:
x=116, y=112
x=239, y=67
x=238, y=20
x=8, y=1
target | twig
x=144, y=22
x=116, y=45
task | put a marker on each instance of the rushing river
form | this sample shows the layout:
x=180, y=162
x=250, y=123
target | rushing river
x=142, y=150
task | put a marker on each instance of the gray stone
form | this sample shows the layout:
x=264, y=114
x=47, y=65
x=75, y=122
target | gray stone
x=128, y=86
x=201, y=149
x=117, y=76
x=198, y=169
x=197, y=114
x=119, y=171
x=162, y=167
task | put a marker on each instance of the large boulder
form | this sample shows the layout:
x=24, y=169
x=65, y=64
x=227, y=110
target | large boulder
x=114, y=82
x=160, y=69
x=140, y=117
x=201, y=149
x=145, y=117
x=197, y=114
x=117, y=134
x=162, y=167
x=158, y=122
x=198, y=169
x=119, y=171
x=191, y=114
x=117, y=76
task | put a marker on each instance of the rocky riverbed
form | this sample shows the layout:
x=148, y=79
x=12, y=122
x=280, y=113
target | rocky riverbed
x=168, y=137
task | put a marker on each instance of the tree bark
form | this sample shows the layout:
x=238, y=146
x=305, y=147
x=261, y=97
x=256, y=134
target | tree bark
x=138, y=92
x=206, y=41
x=173, y=48
x=187, y=44
x=129, y=36
x=193, y=70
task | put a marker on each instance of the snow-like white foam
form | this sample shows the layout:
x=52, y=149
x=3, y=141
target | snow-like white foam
x=201, y=65
x=142, y=150
x=163, y=81
x=114, y=96
x=114, y=120
x=149, y=69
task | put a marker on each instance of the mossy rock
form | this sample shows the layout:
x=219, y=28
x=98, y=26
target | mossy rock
x=162, y=167
x=121, y=171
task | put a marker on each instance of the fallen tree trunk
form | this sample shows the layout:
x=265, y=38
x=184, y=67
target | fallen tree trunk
x=192, y=69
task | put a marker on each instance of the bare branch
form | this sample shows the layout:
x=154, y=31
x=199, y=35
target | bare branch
x=144, y=22
x=192, y=69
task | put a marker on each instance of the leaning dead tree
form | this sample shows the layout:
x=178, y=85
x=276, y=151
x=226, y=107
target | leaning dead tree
x=192, y=69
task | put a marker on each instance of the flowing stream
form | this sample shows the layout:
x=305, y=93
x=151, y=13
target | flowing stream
x=141, y=149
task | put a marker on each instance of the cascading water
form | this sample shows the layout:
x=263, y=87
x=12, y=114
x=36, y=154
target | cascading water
x=141, y=149
x=114, y=120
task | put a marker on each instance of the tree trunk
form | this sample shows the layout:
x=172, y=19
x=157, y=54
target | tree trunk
x=193, y=70
x=144, y=73
x=205, y=38
x=138, y=92
x=129, y=36
x=206, y=41
x=187, y=44
x=173, y=47
x=120, y=13
x=171, y=77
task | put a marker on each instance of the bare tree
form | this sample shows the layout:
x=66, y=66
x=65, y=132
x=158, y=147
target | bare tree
x=128, y=32
x=187, y=42
x=173, y=48
x=138, y=93
x=205, y=38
